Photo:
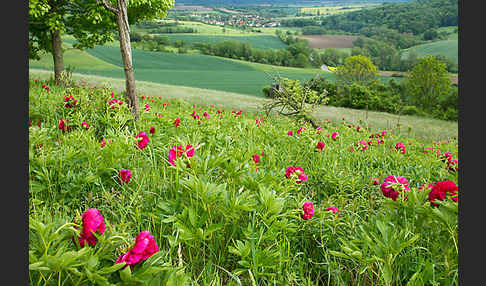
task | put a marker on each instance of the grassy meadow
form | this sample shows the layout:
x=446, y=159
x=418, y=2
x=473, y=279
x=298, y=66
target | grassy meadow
x=447, y=48
x=230, y=206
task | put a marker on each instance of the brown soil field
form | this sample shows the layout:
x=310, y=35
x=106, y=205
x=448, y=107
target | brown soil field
x=329, y=41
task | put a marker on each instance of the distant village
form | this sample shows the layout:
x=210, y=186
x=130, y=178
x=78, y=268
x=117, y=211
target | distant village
x=235, y=20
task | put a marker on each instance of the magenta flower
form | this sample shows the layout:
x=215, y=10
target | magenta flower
x=400, y=146
x=124, y=175
x=364, y=145
x=333, y=210
x=334, y=135
x=92, y=222
x=144, y=247
x=206, y=115
x=63, y=126
x=393, y=185
x=441, y=190
x=142, y=140
x=70, y=101
x=308, y=208
x=299, y=173
x=320, y=145
x=300, y=130
x=177, y=122
x=179, y=151
x=152, y=130
x=104, y=142
x=85, y=125
x=256, y=158
x=147, y=107
x=290, y=133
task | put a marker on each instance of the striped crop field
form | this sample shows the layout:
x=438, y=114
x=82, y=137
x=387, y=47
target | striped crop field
x=192, y=70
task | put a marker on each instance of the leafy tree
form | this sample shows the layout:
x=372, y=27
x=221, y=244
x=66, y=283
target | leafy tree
x=356, y=69
x=428, y=82
x=49, y=19
x=138, y=10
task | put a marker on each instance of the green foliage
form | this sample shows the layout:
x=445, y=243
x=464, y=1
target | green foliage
x=227, y=219
x=55, y=258
x=428, y=82
x=356, y=69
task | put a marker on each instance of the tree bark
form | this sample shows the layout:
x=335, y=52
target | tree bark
x=57, y=55
x=126, y=53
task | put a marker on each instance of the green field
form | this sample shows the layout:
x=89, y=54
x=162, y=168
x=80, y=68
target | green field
x=447, y=48
x=191, y=70
x=256, y=41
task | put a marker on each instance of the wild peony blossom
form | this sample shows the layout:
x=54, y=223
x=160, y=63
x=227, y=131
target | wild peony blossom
x=393, y=185
x=320, y=145
x=363, y=144
x=308, y=208
x=104, y=142
x=142, y=140
x=177, y=122
x=144, y=247
x=441, y=190
x=70, y=101
x=375, y=181
x=290, y=133
x=299, y=173
x=256, y=158
x=147, y=107
x=333, y=209
x=152, y=130
x=179, y=151
x=63, y=126
x=124, y=175
x=334, y=135
x=85, y=125
x=300, y=130
x=92, y=222
x=400, y=147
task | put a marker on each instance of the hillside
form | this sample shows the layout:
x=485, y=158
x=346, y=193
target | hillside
x=446, y=48
x=414, y=17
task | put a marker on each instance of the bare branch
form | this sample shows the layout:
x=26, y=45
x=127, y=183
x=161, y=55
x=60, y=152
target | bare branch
x=108, y=6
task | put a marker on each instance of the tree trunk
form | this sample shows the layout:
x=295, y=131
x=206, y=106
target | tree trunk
x=57, y=55
x=126, y=53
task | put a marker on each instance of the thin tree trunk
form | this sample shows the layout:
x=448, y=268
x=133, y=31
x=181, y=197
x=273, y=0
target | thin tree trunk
x=126, y=53
x=57, y=55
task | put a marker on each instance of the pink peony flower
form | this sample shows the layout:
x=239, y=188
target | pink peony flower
x=63, y=126
x=400, y=146
x=152, y=130
x=104, y=142
x=334, y=135
x=290, y=133
x=441, y=190
x=144, y=247
x=124, y=175
x=298, y=171
x=147, y=107
x=364, y=145
x=206, y=115
x=142, y=140
x=256, y=158
x=179, y=151
x=393, y=185
x=375, y=181
x=333, y=210
x=308, y=208
x=320, y=145
x=85, y=125
x=70, y=101
x=300, y=130
x=92, y=222
x=177, y=122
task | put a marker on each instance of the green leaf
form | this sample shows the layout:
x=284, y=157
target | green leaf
x=126, y=274
x=113, y=268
